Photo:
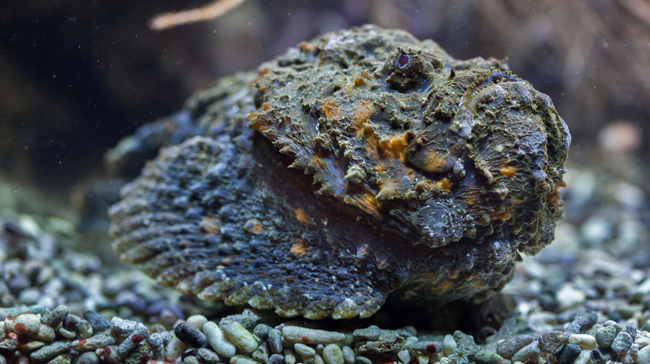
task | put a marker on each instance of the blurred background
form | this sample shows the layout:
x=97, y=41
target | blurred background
x=78, y=75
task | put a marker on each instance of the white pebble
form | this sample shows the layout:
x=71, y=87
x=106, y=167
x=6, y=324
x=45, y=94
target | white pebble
x=332, y=354
x=238, y=359
x=584, y=341
x=27, y=324
x=219, y=343
x=404, y=356
x=197, y=321
x=304, y=350
x=175, y=349
x=644, y=356
x=238, y=335
x=583, y=358
x=449, y=345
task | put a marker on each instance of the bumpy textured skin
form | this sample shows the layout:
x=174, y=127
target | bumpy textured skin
x=361, y=164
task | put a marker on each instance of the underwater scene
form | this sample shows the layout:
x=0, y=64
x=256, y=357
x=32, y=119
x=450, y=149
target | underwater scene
x=325, y=182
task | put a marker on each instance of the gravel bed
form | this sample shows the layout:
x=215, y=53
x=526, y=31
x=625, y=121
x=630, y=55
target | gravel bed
x=585, y=300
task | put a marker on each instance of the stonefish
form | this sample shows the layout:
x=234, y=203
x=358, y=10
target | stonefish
x=359, y=165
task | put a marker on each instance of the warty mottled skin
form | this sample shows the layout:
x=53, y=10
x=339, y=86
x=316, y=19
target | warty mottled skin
x=358, y=165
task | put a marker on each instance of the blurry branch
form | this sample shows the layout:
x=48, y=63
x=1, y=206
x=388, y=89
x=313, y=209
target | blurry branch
x=208, y=12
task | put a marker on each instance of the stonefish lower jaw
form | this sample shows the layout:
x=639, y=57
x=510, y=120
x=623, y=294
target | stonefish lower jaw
x=361, y=164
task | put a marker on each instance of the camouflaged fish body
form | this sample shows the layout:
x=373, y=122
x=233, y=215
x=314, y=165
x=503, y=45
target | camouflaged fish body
x=360, y=164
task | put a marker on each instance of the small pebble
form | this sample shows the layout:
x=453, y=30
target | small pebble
x=362, y=360
x=156, y=342
x=304, y=350
x=449, y=345
x=175, y=348
x=70, y=323
x=583, y=358
x=50, y=351
x=27, y=324
x=88, y=357
x=85, y=329
x=56, y=316
x=348, y=355
x=275, y=341
x=644, y=356
x=509, y=347
x=276, y=359
x=605, y=336
x=552, y=341
x=197, y=321
x=584, y=341
x=218, y=342
x=206, y=356
x=139, y=334
x=332, y=354
x=239, y=359
x=289, y=357
x=190, y=335
x=97, y=321
x=238, y=335
x=262, y=331
x=403, y=356
x=569, y=354
x=261, y=354
x=60, y=359
x=529, y=351
x=295, y=334
x=45, y=333
x=487, y=357
x=66, y=333
x=622, y=343
x=369, y=333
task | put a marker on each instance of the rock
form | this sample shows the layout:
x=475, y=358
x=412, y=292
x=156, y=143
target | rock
x=644, y=356
x=56, y=316
x=568, y=296
x=569, y=354
x=197, y=321
x=552, y=341
x=239, y=359
x=217, y=340
x=486, y=357
x=239, y=336
x=332, y=354
x=529, y=351
x=304, y=350
x=28, y=324
x=50, y=351
x=88, y=357
x=261, y=354
x=348, y=355
x=605, y=336
x=190, y=335
x=262, y=331
x=275, y=341
x=510, y=346
x=276, y=359
x=622, y=343
x=295, y=334
x=369, y=333
x=584, y=341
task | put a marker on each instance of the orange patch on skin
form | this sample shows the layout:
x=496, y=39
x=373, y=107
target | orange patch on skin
x=434, y=161
x=264, y=70
x=372, y=145
x=509, y=171
x=261, y=120
x=253, y=226
x=394, y=146
x=444, y=287
x=209, y=225
x=359, y=82
x=302, y=216
x=505, y=215
x=299, y=247
x=430, y=277
x=471, y=196
x=366, y=202
x=387, y=188
x=362, y=111
x=307, y=47
x=444, y=185
x=331, y=110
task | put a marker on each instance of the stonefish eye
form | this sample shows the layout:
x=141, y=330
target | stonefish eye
x=403, y=61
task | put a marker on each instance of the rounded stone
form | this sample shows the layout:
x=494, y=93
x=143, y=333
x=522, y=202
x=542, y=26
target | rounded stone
x=27, y=324
x=197, y=321
x=510, y=346
x=569, y=354
x=304, y=350
x=584, y=341
x=332, y=354
x=97, y=321
x=605, y=336
x=552, y=341
x=190, y=335
x=622, y=343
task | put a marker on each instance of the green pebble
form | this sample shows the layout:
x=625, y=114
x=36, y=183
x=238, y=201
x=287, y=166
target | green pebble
x=332, y=354
x=486, y=357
